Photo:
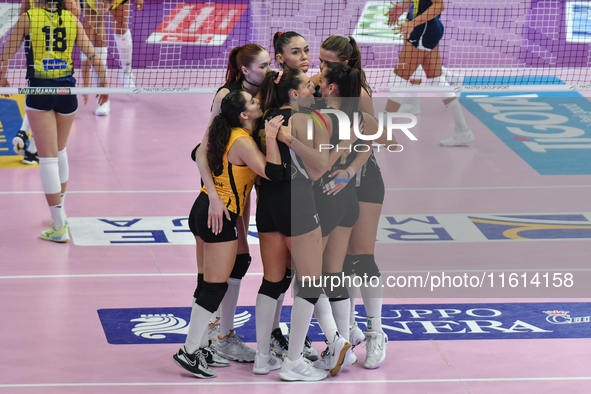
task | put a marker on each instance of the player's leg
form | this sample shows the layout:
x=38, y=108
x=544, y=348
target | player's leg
x=44, y=125
x=218, y=259
x=124, y=42
x=408, y=61
x=274, y=254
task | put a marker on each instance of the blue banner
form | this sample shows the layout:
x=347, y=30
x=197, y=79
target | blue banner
x=400, y=322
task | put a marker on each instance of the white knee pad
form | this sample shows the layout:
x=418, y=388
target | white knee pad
x=64, y=169
x=124, y=44
x=50, y=177
x=396, y=82
x=440, y=81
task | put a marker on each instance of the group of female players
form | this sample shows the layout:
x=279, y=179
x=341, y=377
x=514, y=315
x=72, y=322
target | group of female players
x=317, y=209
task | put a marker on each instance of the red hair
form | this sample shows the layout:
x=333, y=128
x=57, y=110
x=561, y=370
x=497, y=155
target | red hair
x=239, y=57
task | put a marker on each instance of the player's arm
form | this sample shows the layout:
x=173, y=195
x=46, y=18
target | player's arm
x=86, y=47
x=366, y=103
x=14, y=42
x=248, y=151
x=217, y=209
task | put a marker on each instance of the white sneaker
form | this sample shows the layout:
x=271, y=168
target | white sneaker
x=324, y=361
x=376, y=349
x=103, y=110
x=458, y=139
x=309, y=352
x=338, y=350
x=411, y=106
x=350, y=358
x=127, y=79
x=233, y=348
x=356, y=335
x=265, y=363
x=213, y=330
x=300, y=369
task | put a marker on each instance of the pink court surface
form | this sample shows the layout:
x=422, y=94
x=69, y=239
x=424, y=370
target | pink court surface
x=458, y=210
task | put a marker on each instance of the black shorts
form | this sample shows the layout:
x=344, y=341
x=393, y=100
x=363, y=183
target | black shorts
x=340, y=210
x=198, y=222
x=287, y=207
x=371, y=190
x=427, y=35
x=65, y=104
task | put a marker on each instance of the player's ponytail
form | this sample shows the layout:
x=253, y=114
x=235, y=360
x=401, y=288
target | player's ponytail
x=348, y=82
x=221, y=127
x=275, y=88
x=60, y=7
x=346, y=49
x=239, y=57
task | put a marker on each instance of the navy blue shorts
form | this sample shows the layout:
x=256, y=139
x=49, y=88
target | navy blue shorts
x=65, y=104
x=427, y=35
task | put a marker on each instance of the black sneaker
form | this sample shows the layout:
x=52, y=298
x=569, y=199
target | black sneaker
x=31, y=158
x=279, y=343
x=194, y=363
x=20, y=142
x=213, y=359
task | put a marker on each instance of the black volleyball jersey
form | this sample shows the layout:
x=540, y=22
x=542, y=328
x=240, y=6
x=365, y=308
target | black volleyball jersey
x=292, y=164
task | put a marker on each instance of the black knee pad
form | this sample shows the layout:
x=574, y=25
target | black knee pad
x=199, y=287
x=366, y=265
x=271, y=289
x=212, y=295
x=287, y=279
x=241, y=265
x=311, y=291
x=348, y=267
x=337, y=292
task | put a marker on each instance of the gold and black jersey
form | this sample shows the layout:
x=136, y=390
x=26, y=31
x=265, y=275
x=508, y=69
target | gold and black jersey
x=116, y=3
x=49, y=44
x=233, y=183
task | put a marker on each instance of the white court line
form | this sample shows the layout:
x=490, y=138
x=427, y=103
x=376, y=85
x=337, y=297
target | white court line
x=496, y=380
x=387, y=189
x=467, y=270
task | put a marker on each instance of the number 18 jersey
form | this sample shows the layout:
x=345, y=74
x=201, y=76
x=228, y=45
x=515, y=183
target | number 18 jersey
x=49, y=44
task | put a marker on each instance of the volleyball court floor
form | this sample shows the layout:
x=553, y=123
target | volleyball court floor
x=71, y=312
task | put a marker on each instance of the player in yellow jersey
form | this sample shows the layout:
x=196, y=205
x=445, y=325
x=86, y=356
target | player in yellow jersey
x=22, y=136
x=95, y=12
x=235, y=161
x=50, y=32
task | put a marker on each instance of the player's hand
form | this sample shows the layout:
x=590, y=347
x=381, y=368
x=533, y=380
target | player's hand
x=139, y=5
x=215, y=215
x=405, y=29
x=272, y=126
x=284, y=134
x=340, y=181
x=102, y=98
x=395, y=12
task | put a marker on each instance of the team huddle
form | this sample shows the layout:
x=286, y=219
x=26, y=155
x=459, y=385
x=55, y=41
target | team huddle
x=317, y=210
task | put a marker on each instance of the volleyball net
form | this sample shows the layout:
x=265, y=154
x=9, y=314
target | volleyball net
x=183, y=45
